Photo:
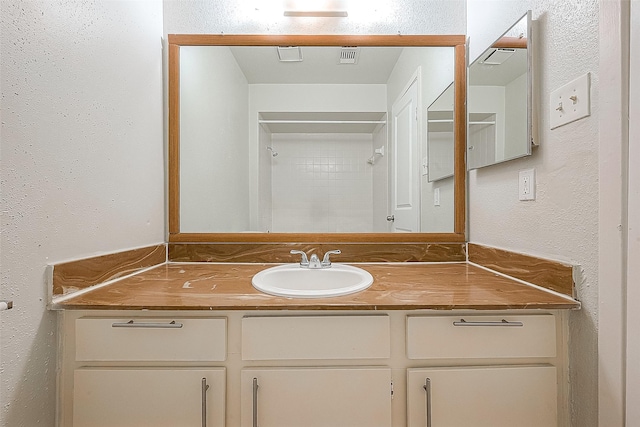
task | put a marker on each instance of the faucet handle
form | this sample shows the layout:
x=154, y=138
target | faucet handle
x=304, y=262
x=325, y=260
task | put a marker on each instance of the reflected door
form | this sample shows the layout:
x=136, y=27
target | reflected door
x=405, y=195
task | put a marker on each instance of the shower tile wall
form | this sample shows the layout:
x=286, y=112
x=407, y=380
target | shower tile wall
x=322, y=183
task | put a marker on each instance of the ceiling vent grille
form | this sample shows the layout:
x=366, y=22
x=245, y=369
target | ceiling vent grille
x=498, y=56
x=349, y=55
x=289, y=54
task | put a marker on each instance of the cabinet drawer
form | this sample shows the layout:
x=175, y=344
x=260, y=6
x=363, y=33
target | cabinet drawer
x=315, y=337
x=451, y=337
x=150, y=339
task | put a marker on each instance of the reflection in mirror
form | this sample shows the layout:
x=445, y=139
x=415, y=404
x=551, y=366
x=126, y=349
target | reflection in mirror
x=333, y=142
x=440, y=136
x=499, y=102
x=440, y=159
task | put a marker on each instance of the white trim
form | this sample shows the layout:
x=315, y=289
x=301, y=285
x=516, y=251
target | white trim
x=613, y=136
x=633, y=229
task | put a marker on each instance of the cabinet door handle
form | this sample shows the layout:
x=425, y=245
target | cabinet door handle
x=427, y=388
x=502, y=322
x=255, y=402
x=205, y=387
x=131, y=324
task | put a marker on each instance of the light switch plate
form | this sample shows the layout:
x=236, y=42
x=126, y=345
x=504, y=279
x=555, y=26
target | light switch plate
x=570, y=102
x=436, y=197
x=527, y=184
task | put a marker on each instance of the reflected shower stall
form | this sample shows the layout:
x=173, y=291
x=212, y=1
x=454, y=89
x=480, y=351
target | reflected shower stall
x=326, y=176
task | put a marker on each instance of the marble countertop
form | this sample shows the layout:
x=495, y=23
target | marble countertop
x=396, y=286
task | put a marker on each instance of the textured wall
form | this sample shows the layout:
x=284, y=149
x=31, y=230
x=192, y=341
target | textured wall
x=241, y=17
x=562, y=223
x=81, y=165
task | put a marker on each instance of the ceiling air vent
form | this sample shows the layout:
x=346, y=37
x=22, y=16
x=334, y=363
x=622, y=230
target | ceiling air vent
x=498, y=56
x=349, y=55
x=289, y=54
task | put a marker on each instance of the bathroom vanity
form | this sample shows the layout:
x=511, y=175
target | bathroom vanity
x=436, y=340
x=426, y=345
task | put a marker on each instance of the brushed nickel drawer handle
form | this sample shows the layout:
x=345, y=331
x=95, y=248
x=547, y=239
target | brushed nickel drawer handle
x=255, y=402
x=427, y=388
x=502, y=322
x=205, y=387
x=131, y=324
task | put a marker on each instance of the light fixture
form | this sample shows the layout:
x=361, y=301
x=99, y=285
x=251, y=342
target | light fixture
x=316, y=8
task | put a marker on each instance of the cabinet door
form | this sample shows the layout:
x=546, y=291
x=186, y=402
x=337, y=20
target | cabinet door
x=316, y=397
x=154, y=397
x=506, y=396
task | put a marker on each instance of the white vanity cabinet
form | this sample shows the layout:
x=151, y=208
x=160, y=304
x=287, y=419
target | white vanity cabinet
x=316, y=397
x=482, y=396
x=468, y=387
x=154, y=397
x=313, y=368
x=146, y=371
x=310, y=395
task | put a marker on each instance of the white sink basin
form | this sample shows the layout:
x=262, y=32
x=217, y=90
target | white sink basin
x=291, y=280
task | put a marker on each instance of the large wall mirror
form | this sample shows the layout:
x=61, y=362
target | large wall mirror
x=500, y=123
x=313, y=138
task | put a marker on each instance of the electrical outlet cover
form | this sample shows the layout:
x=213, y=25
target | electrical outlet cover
x=527, y=184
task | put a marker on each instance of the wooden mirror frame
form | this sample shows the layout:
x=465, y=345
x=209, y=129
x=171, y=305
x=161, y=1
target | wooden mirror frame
x=460, y=79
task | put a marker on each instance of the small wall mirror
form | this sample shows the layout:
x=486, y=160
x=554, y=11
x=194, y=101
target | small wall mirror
x=499, y=99
x=440, y=136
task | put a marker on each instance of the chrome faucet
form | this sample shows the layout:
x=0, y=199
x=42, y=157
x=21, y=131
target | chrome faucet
x=304, y=262
x=314, y=262
x=325, y=260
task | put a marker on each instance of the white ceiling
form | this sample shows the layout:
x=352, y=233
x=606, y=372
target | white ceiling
x=320, y=65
